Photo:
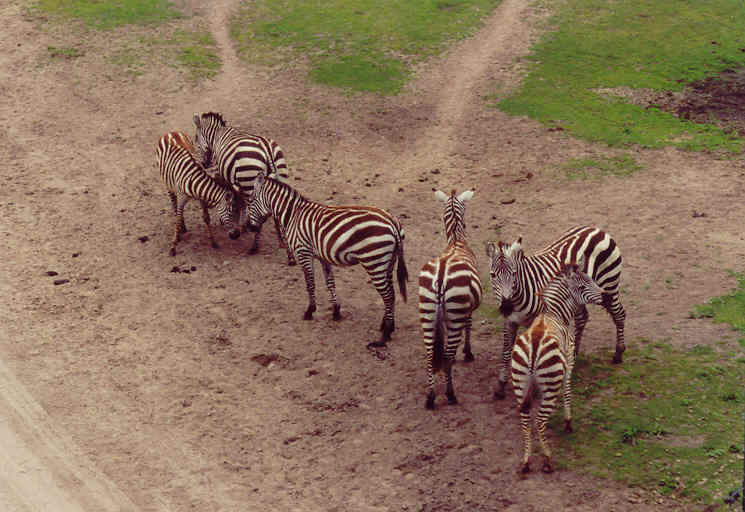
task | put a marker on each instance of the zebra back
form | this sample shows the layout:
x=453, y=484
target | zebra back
x=240, y=157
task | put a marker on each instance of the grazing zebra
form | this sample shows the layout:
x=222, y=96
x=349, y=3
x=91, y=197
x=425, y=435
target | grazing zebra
x=517, y=279
x=543, y=357
x=240, y=158
x=185, y=179
x=449, y=291
x=336, y=235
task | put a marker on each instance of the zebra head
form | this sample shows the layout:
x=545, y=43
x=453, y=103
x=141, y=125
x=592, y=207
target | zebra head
x=229, y=212
x=207, y=125
x=259, y=208
x=503, y=273
x=582, y=288
x=454, y=215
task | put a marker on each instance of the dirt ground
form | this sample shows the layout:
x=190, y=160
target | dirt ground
x=128, y=386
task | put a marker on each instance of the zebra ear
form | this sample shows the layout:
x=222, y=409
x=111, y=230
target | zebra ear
x=516, y=248
x=441, y=196
x=465, y=196
x=197, y=120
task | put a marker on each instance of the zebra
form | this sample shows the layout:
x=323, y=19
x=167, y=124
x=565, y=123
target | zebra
x=335, y=235
x=239, y=158
x=184, y=179
x=517, y=279
x=449, y=292
x=543, y=357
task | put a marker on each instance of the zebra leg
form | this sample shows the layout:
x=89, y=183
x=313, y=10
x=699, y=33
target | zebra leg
x=612, y=304
x=580, y=320
x=255, y=246
x=383, y=282
x=306, y=262
x=179, y=221
x=332, y=289
x=174, y=204
x=525, y=426
x=206, y=218
x=468, y=355
x=283, y=243
x=450, y=352
x=510, y=331
x=548, y=404
x=430, y=403
x=567, y=385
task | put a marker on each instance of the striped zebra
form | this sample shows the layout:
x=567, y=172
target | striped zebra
x=335, y=235
x=517, y=279
x=185, y=179
x=240, y=158
x=543, y=357
x=449, y=292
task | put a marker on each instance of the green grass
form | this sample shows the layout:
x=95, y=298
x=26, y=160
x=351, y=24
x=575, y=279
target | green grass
x=105, y=15
x=56, y=52
x=728, y=308
x=361, y=45
x=668, y=420
x=637, y=44
x=585, y=168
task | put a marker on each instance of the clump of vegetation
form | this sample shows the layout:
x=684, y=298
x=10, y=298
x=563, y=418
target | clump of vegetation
x=105, y=15
x=635, y=44
x=64, y=52
x=585, y=168
x=728, y=308
x=361, y=45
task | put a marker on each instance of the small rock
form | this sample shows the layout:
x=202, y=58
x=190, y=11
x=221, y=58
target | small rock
x=143, y=239
x=51, y=273
x=507, y=201
x=75, y=254
x=61, y=281
x=175, y=269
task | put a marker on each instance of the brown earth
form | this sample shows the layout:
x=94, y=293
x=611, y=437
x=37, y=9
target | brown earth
x=132, y=387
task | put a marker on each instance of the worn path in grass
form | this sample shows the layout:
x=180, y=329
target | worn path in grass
x=205, y=390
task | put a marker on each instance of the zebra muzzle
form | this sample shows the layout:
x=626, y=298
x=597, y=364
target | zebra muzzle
x=234, y=234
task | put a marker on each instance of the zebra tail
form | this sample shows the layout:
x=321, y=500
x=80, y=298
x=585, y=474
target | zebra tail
x=438, y=338
x=401, y=273
x=528, y=393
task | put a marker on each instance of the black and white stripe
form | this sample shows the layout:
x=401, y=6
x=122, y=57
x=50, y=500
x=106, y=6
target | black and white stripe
x=335, y=235
x=517, y=280
x=185, y=179
x=449, y=292
x=239, y=158
x=543, y=357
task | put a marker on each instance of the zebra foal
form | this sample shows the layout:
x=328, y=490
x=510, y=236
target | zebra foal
x=543, y=356
x=518, y=279
x=335, y=235
x=185, y=179
x=239, y=159
x=449, y=292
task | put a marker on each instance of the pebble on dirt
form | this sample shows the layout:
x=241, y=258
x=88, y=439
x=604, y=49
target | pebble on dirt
x=51, y=273
x=61, y=281
x=144, y=238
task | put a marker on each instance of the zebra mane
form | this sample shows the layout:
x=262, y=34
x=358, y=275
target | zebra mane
x=216, y=116
x=284, y=186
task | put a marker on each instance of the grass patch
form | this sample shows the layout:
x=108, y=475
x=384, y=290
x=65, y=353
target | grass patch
x=668, y=420
x=64, y=52
x=104, y=15
x=361, y=45
x=586, y=168
x=728, y=308
x=636, y=44
x=196, y=51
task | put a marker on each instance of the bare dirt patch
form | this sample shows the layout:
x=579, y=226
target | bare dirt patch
x=205, y=390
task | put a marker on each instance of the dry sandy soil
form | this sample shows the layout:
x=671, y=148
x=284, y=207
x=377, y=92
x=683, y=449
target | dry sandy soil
x=131, y=387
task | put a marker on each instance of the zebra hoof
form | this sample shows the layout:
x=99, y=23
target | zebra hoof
x=253, y=250
x=337, y=313
x=291, y=263
x=617, y=358
x=499, y=394
x=547, y=466
x=376, y=344
x=525, y=468
x=309, y=312
x=452, y=400
x=172, y=252
x=568, y=426
x=468, y=357
x=215, y=246
x=430, y=403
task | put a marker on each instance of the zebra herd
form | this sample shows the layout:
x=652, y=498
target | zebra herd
x=234, y=172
